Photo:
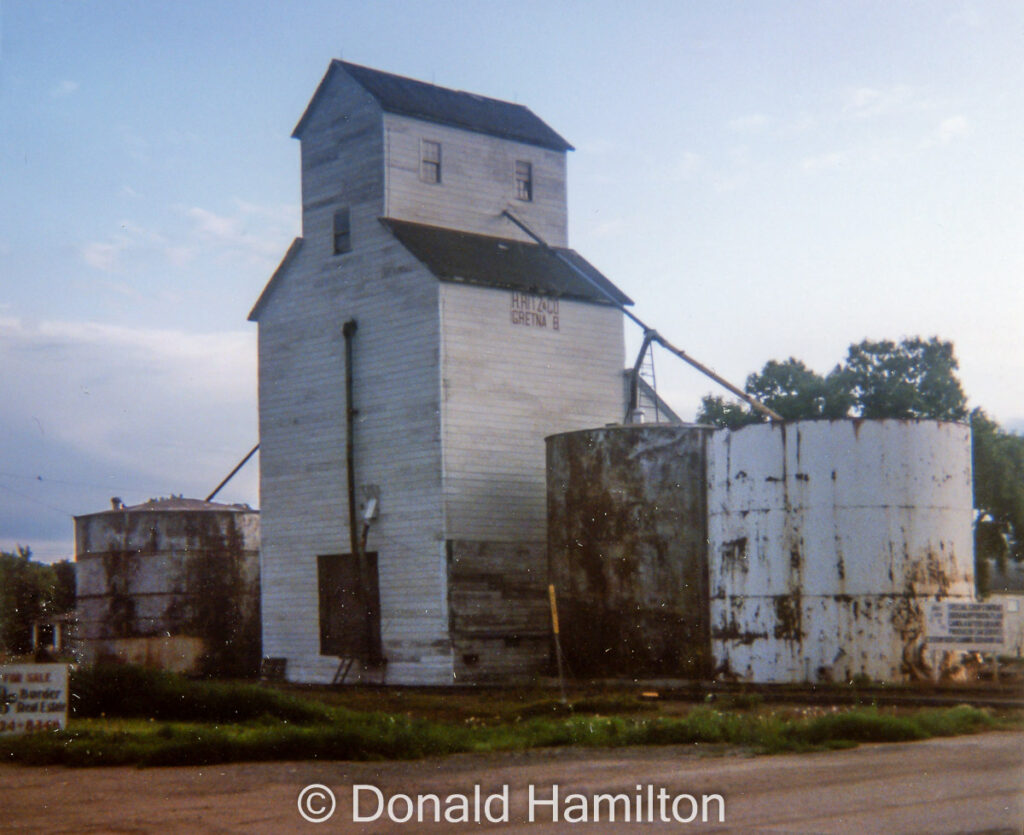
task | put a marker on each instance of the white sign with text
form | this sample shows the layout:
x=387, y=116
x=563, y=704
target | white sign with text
x=957, y=625
x=33, y=697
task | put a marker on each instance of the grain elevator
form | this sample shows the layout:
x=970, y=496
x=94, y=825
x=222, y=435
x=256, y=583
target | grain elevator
x=415, y=348
x=417, y=345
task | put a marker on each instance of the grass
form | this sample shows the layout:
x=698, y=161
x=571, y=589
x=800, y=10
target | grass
x=130, y=716
x=127, y=691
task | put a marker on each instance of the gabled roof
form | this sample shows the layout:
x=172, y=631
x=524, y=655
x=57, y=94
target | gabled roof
x=408, y=97
x=257, y=308
x=501, y=262
x=660, y=411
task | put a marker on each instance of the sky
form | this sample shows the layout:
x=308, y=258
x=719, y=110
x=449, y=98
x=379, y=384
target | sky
x=764, y=179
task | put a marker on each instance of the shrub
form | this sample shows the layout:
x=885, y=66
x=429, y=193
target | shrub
x=135, y=692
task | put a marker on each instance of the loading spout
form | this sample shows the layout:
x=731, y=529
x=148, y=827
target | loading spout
x=650, y=335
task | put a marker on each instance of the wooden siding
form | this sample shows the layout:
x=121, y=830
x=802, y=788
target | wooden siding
x=456, y=388
x=499, y=611
x=477, y=182
x=508, y=386
x=509, y=380
x=302, y=411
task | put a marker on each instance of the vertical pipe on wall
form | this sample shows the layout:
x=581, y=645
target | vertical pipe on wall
x=356, y=543
x=348, y=330
x=634, y=379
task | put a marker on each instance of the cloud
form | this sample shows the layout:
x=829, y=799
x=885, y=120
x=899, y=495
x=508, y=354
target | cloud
x=123, y=394
x=874, y=102
x=256, y=233
x=597, y=146
x=127, y=410
x=108, y=256
x=952, y=128
x=949, y=130
x=685, y=167
x=252, y=234
x=63, y=89
x=968, y=16
x=180, y=255
x=215, y=226
x=750, y=123
x=824, y=162
x=611, y=228
x=104, y=256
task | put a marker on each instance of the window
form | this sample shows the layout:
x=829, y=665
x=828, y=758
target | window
x=342, y=232
x=430, y=161
x=524, y=180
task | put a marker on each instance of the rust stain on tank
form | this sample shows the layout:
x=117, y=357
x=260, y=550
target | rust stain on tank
x=169, y=569
x=732, y=632
x=734, y=553
x=627, y=549
x=788, y=617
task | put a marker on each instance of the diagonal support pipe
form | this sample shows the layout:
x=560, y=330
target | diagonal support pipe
x=650, y=335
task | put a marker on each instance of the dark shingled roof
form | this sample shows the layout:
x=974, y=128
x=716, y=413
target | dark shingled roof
x=409, y=97
x=500, y=262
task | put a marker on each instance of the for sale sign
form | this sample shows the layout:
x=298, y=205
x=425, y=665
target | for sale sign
x=956, y=625
x=33, y=697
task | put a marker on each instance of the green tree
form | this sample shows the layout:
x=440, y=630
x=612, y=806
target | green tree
x=717, y=411
x=998, y=459
x=794, y=391
x=789, y=388
x=30, y=590
x=64, y=586
x=913, y=379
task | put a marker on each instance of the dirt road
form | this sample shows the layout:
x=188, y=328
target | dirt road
x=960, y=785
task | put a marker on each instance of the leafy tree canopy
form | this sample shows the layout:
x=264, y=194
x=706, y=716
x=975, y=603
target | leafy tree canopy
x=30, y=590
x=998, y=489
x=914, y=378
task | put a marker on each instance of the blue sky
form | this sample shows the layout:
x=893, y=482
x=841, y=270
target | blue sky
x=765, y=179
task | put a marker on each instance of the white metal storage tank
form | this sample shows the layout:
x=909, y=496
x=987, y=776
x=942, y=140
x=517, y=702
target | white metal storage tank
x=827, y=537
x=171, y=583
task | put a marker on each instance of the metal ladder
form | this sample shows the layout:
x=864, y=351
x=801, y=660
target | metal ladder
x=647, y=375
x=345, y=663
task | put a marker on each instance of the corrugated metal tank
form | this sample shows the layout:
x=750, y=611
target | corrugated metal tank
x=626, y=549
x=827, y=537
x=172, y=583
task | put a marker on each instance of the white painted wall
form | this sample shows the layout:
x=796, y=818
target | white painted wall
x=454, y=399
x=302, y=409
x=477, y=182
x=506, y=387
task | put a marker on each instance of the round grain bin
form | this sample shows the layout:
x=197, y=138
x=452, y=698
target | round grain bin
x=172, y=583
x=627, y=549
x=827, y=538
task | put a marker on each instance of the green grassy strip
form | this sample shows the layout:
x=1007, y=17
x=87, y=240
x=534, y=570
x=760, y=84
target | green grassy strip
x=127, y=691
x=354, y=736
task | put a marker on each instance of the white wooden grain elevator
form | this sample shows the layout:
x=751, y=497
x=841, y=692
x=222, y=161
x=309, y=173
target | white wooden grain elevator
x=415, y=348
